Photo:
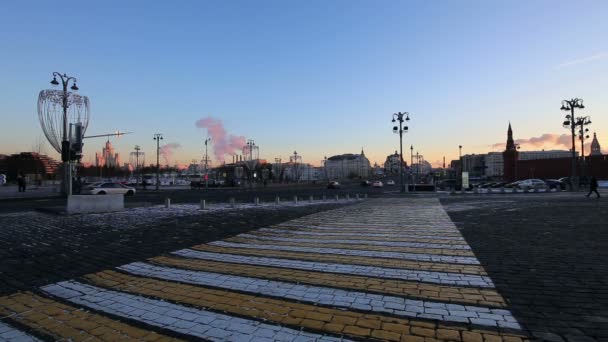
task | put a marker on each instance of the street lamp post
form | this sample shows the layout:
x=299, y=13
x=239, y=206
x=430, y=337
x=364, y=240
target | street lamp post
x=460, y=165
x=325, y=168
x=295, y=165
x=137, y=173
x=571, y=122
x=65, y=143
x=277, y=162
x=158, y=137
x=417, y=165
x=206, y=160
x=252, y=161
x=401, y=117
x=582, y=134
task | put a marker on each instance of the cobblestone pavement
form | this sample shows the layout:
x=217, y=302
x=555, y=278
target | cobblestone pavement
x=385, y=269
x=547, y=256
x=38, y=248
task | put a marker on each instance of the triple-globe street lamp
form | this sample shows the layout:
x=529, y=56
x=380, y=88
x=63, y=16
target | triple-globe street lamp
x=401, y=117
x=206, y=164
x=158, y=137
x=571, y=122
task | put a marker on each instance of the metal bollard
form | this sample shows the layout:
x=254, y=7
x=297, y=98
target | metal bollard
x=337, y=197
x=311, y=199
x=324, y=197
x=277, y=200
x=256, y=201
x=203, y=205
x=357, y=196
x=167, y=202
x=295, y=199
x=348, y=197
x=232, y=202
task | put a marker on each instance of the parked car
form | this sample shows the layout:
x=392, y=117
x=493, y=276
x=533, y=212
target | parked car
x=390, y=182
x=512, y=184
x=555, y=184
x=447, y=184
x=499, y=185
x=582, y=181
x=530, y=184
x=104, y=188
x=377, y=184
x=333, y=185
x=366, y=183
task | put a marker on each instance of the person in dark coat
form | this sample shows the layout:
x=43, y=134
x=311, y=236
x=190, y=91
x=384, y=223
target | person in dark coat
x=21, y=182
x=593, y=187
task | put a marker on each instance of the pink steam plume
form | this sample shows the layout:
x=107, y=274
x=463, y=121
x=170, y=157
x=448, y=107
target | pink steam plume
x=167, y=151
x=222, y=142
x=547, y=140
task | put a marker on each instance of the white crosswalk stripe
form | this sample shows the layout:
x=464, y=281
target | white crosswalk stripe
x=381, y=272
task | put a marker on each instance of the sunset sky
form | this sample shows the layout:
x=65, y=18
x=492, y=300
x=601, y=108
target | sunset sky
x=319, y=77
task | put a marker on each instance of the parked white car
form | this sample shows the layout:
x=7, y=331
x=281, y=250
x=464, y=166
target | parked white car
x=377, y=184
x=104, y=188
x=390, y=182
x=531, y=184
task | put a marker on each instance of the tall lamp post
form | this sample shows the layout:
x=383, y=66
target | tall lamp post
x=460, y=165
x=571, y=122
x=158, y=137
x=325, y=168
x=65, y=143
x=206, y=160
x=401, y=117
x=582, y=134
x=277, y=162
x=137, y=173
x=295, y=166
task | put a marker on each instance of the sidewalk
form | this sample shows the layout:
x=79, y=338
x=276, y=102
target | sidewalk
x=11, y=191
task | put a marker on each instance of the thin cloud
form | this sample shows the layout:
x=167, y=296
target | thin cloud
x=584, y=60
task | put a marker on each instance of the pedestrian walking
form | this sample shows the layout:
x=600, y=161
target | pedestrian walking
x=593, y=187
x=21, y=182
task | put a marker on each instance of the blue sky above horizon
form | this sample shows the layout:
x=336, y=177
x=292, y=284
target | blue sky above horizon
x=319, y=77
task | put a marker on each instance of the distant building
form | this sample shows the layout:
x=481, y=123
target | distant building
x=474, y=164
x=494, y=165
x=391, y=165
x=596, y=150
x=34, y=165
x=107, y=157
x=348, y=166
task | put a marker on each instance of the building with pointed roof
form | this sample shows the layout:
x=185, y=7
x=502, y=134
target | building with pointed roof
x=596, y=149
x=510, y=157
x=348, y=165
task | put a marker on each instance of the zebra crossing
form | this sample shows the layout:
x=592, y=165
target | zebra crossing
x=384, y=269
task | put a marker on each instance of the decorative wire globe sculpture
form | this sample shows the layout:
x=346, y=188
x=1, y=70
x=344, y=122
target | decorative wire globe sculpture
x=50, y=113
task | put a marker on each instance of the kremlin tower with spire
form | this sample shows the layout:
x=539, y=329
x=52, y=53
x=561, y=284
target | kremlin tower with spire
x=510, y=157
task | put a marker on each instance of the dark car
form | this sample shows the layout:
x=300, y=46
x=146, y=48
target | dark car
x=499, y=185
x=447, y=184
x=555, y=184
x=366, y=183
x=333, y=185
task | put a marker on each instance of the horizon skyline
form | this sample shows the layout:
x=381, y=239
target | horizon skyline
x=321, y=79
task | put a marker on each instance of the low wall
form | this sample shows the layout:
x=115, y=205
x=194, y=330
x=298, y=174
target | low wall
x=84, y=204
